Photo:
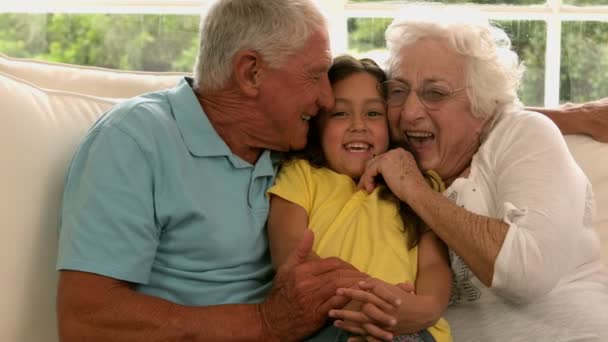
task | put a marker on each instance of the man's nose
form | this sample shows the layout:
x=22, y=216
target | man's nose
x=326, y=99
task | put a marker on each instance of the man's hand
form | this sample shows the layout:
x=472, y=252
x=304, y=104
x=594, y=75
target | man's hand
x=304, y=291
x=596, y=124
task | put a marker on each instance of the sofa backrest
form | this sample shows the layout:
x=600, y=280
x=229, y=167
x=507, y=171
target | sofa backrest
x=93, y=81
x=46, y=110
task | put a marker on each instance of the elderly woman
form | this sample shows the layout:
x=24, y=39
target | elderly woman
x=518, y=210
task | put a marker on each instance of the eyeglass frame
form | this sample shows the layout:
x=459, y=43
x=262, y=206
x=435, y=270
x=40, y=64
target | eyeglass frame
x=383, y=87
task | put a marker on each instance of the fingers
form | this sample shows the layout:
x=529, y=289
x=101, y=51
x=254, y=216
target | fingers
x=367, y=332
x=366, y=181
x=369, y=314
x=333, y=302
x=407, y=287
x=373, y=331
x=356, y=317
x=380, y=317
x=351, y=327
x=368, y=297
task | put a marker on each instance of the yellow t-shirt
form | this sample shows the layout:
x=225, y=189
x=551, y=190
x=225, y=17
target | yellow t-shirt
x=353, y=225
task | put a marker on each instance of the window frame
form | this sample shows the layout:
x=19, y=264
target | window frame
x=553, y=12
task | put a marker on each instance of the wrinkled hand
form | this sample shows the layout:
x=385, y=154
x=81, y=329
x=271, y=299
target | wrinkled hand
x=399, y=170
x=304, y=292
x=378, y=313
x=595, y=116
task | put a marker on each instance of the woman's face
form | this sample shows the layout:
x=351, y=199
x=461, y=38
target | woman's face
x=356, y=128
x=440, y=127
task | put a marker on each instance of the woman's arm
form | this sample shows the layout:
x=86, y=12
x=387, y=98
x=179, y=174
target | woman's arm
x=538, y=198
x=590, y=118
x=477, y=239
x=287, y=222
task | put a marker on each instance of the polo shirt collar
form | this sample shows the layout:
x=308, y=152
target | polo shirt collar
x=200, y=137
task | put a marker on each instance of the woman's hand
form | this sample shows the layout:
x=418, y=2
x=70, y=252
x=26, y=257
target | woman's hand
x=399, y=170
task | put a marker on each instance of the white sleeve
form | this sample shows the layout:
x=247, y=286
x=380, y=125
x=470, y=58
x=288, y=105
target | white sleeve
x=541, y=195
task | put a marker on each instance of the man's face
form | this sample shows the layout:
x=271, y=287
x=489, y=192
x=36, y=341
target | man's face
x=295, y=92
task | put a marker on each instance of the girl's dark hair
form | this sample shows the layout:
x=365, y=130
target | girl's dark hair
x=341, y=68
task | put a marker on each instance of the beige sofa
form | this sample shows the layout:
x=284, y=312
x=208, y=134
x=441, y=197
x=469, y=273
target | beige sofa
x=46, y=110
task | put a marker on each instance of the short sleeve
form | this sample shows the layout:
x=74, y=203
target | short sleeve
x=107, y=224
x=293, y=183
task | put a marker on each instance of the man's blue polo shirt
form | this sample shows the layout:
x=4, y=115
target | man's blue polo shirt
x=155, y=197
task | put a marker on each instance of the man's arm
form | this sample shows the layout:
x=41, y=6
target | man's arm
x=96, y=308
x=590, y=118
x=92, y=307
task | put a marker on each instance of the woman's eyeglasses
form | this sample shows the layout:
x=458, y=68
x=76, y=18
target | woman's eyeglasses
x=430, y=95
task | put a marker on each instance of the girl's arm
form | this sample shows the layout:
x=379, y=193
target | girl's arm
x=433, y=281
x=390, y=310
x=287, y=222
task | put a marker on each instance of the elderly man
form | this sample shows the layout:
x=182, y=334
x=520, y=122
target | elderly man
x=163, y=223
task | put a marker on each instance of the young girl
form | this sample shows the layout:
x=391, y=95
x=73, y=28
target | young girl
x=318, y=189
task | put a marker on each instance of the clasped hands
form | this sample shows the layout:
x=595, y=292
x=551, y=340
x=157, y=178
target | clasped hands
x=373, y=312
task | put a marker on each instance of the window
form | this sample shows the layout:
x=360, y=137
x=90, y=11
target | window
x=562, y=42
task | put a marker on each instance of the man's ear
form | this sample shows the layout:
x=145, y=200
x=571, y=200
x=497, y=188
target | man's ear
x=248, y=67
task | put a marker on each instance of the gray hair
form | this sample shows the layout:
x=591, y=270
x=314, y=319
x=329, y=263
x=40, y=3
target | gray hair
x=273, y=28
x=492, y=70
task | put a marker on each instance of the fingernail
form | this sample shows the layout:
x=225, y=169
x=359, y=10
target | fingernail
x=392, y=322
x=397, y=301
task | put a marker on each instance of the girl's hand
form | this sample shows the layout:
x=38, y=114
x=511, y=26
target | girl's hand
x=377, y=315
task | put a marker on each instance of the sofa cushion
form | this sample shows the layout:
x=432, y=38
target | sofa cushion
x=592, y=156
x=38, y=136
x=87, y=80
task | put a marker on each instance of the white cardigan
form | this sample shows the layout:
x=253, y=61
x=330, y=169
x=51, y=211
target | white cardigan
x=549, y=283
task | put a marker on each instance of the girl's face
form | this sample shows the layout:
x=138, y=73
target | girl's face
x=356, y=128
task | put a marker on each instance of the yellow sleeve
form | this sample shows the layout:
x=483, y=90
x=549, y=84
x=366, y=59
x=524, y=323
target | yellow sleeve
x=434, y=180
x=293, y=183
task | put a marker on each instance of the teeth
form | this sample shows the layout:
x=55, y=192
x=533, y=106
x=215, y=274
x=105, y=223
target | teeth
x=306, y=117
x=418, y=134
x=357, y=147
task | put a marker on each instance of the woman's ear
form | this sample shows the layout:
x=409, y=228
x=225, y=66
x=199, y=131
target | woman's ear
x=248, y=67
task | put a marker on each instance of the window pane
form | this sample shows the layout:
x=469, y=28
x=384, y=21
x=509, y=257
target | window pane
x=529, y=39
x=121, y=41
x=586, y=2
x=584, y=64
x=366, y=39
x=486, y=2
x=366, y=34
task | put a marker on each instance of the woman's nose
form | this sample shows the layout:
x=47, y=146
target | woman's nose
x=413, y=108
